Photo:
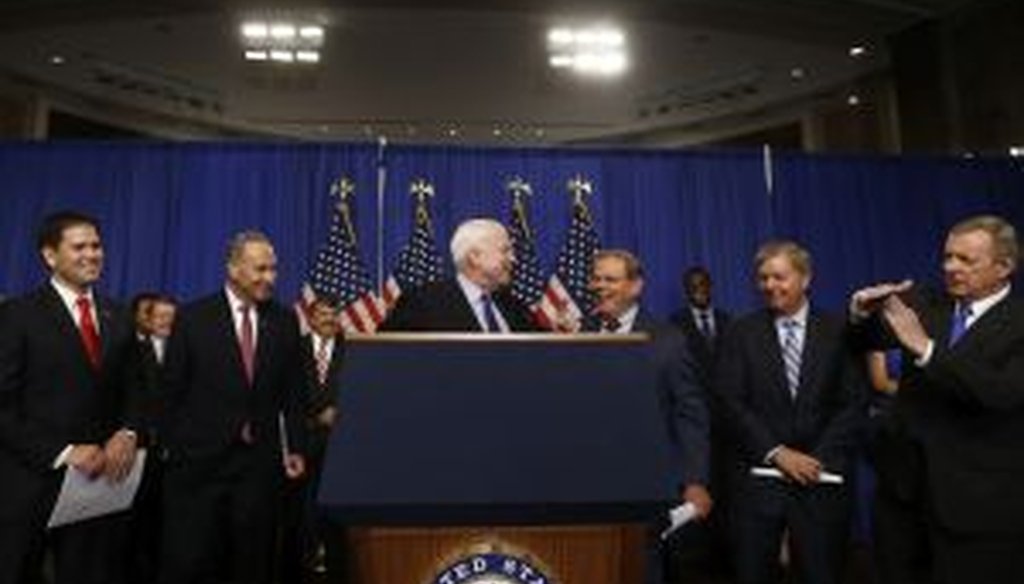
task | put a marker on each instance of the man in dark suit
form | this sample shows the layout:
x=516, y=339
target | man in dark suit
x=617, y=283
x=305, y=533
x=951, y=455
x=478, y=299
x=63, y=405
x=154, y=318
x=793, y=394
x=233, y=424
x=707, y=548
x=702, y=323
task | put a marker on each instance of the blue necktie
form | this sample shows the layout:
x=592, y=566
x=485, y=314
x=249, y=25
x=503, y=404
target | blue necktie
x=958, y=327
x=490, y=318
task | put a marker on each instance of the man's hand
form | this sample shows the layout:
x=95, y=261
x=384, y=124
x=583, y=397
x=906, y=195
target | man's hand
x=796, y=465
x=700, y=497
x=294, y=466
x=867, y=300
x=906, y=325
x=327, y=417
x=120, y=454
x=88, y=458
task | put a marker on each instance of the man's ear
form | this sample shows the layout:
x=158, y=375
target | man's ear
x=49, y=256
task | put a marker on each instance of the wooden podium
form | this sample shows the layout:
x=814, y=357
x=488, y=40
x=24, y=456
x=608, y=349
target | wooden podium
x=541, y=455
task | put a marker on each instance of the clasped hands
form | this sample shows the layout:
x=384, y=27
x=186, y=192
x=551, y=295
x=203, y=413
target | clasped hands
x=113, y=460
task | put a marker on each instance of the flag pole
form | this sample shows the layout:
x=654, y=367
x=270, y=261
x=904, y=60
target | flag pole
x=382, y=180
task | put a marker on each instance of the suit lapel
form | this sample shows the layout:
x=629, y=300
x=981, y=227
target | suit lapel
x=466, y=315
x=991, y=323
x=811, y=357
x=229, y=335
x=64, y=324
x=775, y=369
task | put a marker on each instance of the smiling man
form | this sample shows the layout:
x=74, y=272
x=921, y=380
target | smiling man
x=232, y=369
x=617, y=282
x=793, y=395
x=478, y=299
x=951, y=457
x=63, y=404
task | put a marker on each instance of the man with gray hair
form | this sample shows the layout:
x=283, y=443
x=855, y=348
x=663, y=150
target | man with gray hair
x=478, y=298
x=233, y=385
x=950, y=456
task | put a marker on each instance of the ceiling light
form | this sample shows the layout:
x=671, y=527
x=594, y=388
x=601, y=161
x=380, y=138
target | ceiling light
x=853, y=99
x=311, y=32
x=496, y=132
x=858, y=51
x=256, y=56
x=282, y=56
x=255, y=30
x=56, y=60
x=307, y=56
x=595, y=50
x=282, y=31
x=1017, y=151
x=797, y=73
x=560, y=36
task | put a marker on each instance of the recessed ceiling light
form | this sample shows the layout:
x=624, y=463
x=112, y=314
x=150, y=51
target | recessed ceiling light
x=56, y=60
x=853, y=99
x=311, y=32
x=256, y=56
x=797, y=73
x=453, y=132
x=255, y=30
x=858, y=51
x=282, y=56
x=1017, y=151
x=496, y=132
x=307, y=56
x=282, y=31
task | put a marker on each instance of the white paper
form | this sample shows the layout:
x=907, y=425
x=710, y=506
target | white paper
x=83, y=498
x=679, y=516
x=770, y=472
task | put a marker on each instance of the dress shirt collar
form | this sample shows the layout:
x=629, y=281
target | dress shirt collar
x=983, y=305
x=236, y=305
x=474, y=294
x=627, y=320
x=70, y=298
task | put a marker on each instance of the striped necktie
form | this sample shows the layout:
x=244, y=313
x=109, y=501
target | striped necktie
x=791, y=354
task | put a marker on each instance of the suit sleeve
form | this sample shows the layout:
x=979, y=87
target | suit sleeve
x=296, y=391
x=733, y=380
x=688, y=410
x=25, y=438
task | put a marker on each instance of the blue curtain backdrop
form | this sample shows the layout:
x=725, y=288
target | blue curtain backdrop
x=168, y=208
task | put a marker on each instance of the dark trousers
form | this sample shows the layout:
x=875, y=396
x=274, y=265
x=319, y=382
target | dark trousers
x=816, y=518
x=219, y=517
x=89, y=552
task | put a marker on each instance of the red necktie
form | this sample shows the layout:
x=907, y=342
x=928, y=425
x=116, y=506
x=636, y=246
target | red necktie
x=87, y=330
x=247, y=344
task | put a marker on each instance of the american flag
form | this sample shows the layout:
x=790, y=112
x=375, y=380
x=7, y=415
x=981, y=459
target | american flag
x=566, y=297
x=527, y=281
x=418, y=262
x=339, y=274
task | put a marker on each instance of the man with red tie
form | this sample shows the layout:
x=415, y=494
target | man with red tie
x=233, y=426
x=63, y=405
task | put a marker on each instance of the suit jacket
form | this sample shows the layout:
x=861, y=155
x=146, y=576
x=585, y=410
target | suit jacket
x=50, y=395
x=442, y=307
x=703, y=349
x=208, y=400
x=142, y=374
x=956, y=433
x=320, y=396
x=827, y=415
x=682, y=398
